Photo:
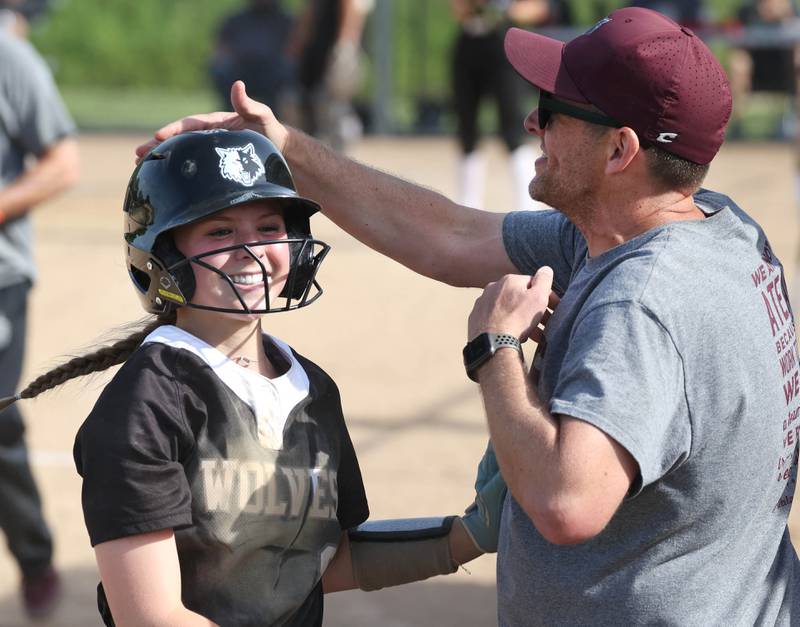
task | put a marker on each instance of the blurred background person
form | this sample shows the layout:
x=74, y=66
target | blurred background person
x=689, y=13
x=11, y=20
x=251, y=46
x=16, y=15
x=326, y=45
x=479, y=69
x=38, y=160
x=765, y=67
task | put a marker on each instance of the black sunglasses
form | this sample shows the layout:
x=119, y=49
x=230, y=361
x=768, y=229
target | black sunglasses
x=549, y=105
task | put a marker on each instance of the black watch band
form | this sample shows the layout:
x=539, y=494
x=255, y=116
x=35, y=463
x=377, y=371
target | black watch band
x=481, y=349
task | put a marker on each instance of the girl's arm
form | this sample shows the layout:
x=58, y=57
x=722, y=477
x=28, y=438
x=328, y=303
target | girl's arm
x=340, y=575
x=142, y=581
x=391, y=554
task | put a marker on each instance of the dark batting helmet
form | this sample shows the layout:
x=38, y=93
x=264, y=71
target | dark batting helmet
x=192, y=176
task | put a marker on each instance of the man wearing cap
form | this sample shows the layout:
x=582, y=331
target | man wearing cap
x=651, y=450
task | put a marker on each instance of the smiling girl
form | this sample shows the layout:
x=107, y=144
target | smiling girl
x=220, y=485
x=218, y=473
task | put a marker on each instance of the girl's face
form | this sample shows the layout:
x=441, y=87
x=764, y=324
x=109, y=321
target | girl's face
x=243, y=224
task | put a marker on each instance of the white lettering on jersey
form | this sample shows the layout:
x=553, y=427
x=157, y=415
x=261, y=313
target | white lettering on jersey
x=274, y=505
x=320, y=481
x=254, y=487
x=218, y=483
x=251, y=482
x=298, y=485
x=318, y=509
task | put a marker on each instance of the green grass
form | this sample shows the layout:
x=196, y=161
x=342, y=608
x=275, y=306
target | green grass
x=98, y=108
x=763, y=117
x=108, y=109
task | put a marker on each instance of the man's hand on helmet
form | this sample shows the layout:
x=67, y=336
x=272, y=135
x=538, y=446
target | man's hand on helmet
x=247, y=114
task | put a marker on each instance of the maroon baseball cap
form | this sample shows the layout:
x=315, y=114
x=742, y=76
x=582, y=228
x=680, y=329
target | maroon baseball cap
x=641, y=69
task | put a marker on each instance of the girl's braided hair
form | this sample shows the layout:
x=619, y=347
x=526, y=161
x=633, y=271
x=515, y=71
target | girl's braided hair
x=96, y=361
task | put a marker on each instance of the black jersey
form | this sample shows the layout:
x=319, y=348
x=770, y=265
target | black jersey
x=257, y=477
x=324, y=29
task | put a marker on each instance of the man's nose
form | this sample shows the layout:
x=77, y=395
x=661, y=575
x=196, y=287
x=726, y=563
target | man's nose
x=532, y=123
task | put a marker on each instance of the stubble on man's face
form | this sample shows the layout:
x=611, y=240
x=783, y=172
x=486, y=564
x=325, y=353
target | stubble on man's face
x=571, y=175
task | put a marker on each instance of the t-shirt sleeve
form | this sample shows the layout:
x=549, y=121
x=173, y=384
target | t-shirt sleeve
x=623, y=374
x=352, y=508
x=33, y=112
x=129, y=452
x=543, y=238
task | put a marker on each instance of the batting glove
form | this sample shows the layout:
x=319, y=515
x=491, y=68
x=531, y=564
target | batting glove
x=482, y=518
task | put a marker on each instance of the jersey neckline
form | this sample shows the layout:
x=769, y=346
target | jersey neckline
x=271, y=400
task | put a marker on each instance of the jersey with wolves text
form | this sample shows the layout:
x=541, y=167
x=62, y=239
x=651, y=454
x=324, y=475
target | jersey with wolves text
x=256, y=476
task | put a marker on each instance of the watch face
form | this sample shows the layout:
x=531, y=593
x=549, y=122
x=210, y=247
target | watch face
x=481, y=346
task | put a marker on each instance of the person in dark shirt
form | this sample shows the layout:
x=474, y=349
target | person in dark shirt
x=479, y=70
x=767, y=67
x=326, y=47
x=219, y=479
x=251, y=46
x=689, y=13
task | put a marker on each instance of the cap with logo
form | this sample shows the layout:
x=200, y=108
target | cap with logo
x=643, y=70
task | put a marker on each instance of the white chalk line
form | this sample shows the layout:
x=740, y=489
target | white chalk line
x=51, y=459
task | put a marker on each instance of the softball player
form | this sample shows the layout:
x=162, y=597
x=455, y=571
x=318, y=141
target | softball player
x=479, y=69
x=219, y=479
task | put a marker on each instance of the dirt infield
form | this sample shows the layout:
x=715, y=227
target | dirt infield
x=392, y=341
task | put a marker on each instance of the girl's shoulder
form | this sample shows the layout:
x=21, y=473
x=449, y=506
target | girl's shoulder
x=148, y=376
x=140, y=407
x=148, y=362
x=316, y=374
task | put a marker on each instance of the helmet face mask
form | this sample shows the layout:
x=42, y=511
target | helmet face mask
x=193, y=176
x=301, y=287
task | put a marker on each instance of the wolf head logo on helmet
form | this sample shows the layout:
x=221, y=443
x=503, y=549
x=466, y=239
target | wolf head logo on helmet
x=240, y=164
x=227, y=169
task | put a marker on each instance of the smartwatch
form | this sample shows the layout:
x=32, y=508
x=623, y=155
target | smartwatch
x=481, y=349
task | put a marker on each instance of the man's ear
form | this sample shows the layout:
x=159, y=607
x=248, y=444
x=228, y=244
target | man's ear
x=623, y=148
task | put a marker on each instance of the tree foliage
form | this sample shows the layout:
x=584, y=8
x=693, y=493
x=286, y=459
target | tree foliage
x=130, y=43
x=166, y=44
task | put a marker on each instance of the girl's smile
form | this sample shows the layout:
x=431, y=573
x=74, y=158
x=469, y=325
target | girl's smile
x=245, y=268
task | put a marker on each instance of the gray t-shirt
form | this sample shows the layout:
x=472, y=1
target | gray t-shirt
x=32, y=118
x=680, y=345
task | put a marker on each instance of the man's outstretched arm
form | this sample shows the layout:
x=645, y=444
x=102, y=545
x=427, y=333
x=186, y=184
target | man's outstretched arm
x=417, y=227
